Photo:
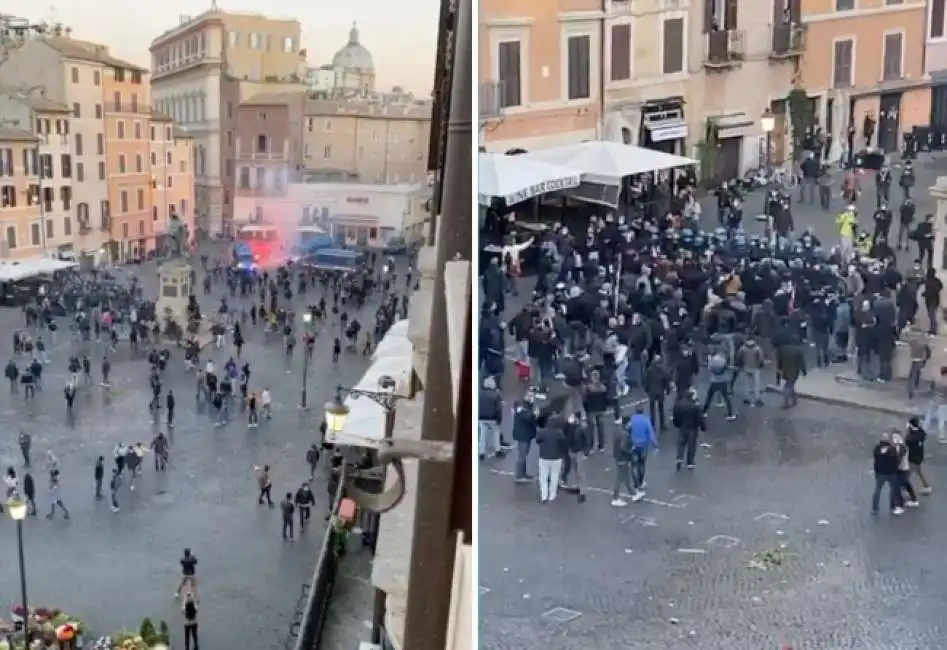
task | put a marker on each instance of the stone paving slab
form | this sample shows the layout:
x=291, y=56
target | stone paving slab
x=845, y=389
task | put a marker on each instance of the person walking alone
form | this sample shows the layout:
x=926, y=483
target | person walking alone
x=265, y=484
x=288, y=510
x=55, y=496
x=189, y=608
x=689, y=420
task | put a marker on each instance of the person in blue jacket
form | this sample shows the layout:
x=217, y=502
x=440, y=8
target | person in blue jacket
x=524, y=432
x=641, y=440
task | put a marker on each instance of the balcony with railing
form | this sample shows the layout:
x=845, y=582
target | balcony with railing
x=789, y=41
x=724, y=49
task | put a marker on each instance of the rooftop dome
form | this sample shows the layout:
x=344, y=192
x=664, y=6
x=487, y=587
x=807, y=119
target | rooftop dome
x=353, y=55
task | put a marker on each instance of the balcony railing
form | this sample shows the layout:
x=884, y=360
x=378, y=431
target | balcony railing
x=789, y=41
x=128, y=107
x=724, y=48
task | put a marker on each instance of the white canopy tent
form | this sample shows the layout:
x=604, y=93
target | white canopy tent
x=16, y=271
x=516, y=178
x=607, y=162
x=365, y=423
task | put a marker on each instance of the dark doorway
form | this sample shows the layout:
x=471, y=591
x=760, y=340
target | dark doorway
x=889, y=122
x=727, y=165
x=939, y=106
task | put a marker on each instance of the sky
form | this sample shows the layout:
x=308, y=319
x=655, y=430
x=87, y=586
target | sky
x=402, y=36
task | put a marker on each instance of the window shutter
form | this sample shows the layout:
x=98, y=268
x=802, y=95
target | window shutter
x=708, y=16
x=730, y=14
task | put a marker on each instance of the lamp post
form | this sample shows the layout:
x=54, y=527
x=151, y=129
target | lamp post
x=336, y=410
x=17, y=509
x=307, y=355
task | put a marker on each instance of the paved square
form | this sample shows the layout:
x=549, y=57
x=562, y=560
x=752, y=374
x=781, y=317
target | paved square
x=484, y=590
x=561, y=615
x=772, y=517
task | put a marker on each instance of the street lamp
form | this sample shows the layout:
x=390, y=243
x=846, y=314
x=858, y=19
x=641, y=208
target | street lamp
x=390, y=451
x=304, y=397
x=16, y=507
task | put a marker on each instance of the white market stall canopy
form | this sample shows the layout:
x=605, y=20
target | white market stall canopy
x=365, y=423
x=607, y=162
x=515, y=178
x=16, y=271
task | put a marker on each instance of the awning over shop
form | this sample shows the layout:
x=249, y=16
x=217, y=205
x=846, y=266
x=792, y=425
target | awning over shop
x=515, y=178
x=16, y=271
x=606, y=162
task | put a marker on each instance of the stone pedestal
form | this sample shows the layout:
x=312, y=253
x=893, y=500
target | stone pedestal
x=174, y=291
x=173, y=296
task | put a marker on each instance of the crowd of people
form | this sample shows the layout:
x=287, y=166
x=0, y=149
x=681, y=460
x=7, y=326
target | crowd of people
x=643, y=322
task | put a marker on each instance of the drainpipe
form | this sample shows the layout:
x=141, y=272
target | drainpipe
x=39, y=183
x=601, y=70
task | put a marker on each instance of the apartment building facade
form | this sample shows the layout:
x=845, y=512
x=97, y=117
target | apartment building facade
x=864, y=67
x=196, y=71
x=678, y=74
x=936, y=60
x=21, y=219
x=53, y=160
x=172, y=188
x=267, y=153
x=540, y=69
x=127, y=115
x=72, y=72
x=364, y=141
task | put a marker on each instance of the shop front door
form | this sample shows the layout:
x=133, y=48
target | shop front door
x=889, y=122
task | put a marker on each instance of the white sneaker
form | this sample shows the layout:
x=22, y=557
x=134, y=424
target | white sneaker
x=927, y=490
x=644, y=484
x=638, y=496
x=898, y=511
x=912, y=504
x=619, y=503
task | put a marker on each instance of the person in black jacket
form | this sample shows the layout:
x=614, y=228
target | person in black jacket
x=304, y=499
x=578, y=443
x=886, y=473
x=689, y=419
x=657, y=386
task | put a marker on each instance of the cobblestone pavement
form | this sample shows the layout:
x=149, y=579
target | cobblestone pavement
x=770, y=540
x=115, y=569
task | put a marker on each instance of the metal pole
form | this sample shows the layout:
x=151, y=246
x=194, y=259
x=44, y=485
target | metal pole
x=434, y=542
x=25, y=603
x=304, y=398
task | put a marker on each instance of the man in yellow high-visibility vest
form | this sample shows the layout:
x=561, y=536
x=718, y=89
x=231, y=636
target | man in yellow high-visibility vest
x=847, y=223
